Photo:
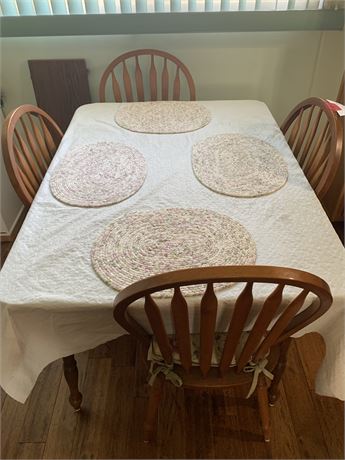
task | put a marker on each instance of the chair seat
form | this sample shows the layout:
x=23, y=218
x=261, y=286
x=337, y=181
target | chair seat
x=154, y=353
x=193, y=378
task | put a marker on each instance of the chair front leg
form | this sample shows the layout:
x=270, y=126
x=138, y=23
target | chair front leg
x=150, y=427
x=70, y=371
x=262, y=396
x=273, y=392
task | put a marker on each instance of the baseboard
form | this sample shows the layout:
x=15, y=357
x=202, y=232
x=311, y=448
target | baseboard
x=11, y=235
x=5, y=237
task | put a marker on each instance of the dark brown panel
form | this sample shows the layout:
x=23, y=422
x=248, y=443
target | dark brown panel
x=61, y=86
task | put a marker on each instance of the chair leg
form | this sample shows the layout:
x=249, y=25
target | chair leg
x=150, y=427
x=273, y=392
x=70, y=371
x=263, y=407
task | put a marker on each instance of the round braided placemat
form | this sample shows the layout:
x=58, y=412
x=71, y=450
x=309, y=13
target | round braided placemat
x=98, y=174
x=163, y=117
x=238, y=165
x=142, y=244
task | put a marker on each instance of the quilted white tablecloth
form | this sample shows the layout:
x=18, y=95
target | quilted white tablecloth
x=52, y=302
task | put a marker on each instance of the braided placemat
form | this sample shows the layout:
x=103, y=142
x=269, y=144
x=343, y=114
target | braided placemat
x=98, y=174
x=142, y=244
x=239, y=165
x=163, y=117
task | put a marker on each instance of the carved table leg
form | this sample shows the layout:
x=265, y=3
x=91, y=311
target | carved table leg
x=278, y=371
x=70, y=371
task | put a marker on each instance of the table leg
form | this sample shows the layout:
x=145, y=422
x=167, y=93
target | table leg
x=70, y=371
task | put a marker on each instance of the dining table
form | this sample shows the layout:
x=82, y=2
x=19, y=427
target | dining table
x=53, y=303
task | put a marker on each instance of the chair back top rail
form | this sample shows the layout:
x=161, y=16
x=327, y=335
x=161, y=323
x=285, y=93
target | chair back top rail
x=169, y=86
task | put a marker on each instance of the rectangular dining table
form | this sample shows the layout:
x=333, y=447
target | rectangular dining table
x=53, y=304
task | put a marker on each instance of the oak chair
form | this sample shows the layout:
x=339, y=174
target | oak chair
x=314, y=134
x=30, y=138
x=156, y=66
x=338, y=211
x=262, y=352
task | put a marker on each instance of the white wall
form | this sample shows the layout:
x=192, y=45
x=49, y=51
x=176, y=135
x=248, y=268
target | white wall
x=279, y=68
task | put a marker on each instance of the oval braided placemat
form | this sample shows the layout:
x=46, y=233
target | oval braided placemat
x=163, y=117
x=141, y=244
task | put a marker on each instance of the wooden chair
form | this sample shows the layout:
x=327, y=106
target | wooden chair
x=338, y=211
x=158, y=64
x=30, y=138
x=314, y=134
x=265, y=346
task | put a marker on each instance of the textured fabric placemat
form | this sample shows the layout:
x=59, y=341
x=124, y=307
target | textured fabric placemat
x=239, y=165
x=163, y=117
x=99, y=174
x=142, y=244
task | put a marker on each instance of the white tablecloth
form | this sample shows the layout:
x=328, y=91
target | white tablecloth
x=52, y=302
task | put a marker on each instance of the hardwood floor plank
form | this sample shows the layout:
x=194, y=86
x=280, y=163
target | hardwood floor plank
x=250, y=428
x=12, y=419
x=64, y=420
x=136, y=447
x=311, y=350
x=198, y=423
x=283, y=443
x=92, y=433
x=227, y=437
x=41, y=404
x=141, y=372
x=122, y=351
x=103, y=427
x=171, y=424
x=331, y=418
x=304, y=417
x=30, y=450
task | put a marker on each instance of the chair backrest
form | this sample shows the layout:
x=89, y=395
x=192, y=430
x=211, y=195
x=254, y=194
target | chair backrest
x=158, y=64
x=289, y=319
x=30, y=138
x=314, y=134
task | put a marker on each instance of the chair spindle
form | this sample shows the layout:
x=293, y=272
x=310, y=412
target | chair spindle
x=139, y=80
x=165, y=81
x=208, y=316
x=43, y=158
x=26, y=162
x=116, y=88
x=239, y=317
x=153, y=79
x=179, y=310
x=282, y=322
x=127, y=83
x=176, y=90
x=157, y=324
x=258, y=331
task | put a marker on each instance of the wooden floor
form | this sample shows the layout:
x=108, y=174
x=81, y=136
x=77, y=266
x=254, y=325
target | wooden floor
x=190, y=426
x=113, y=382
